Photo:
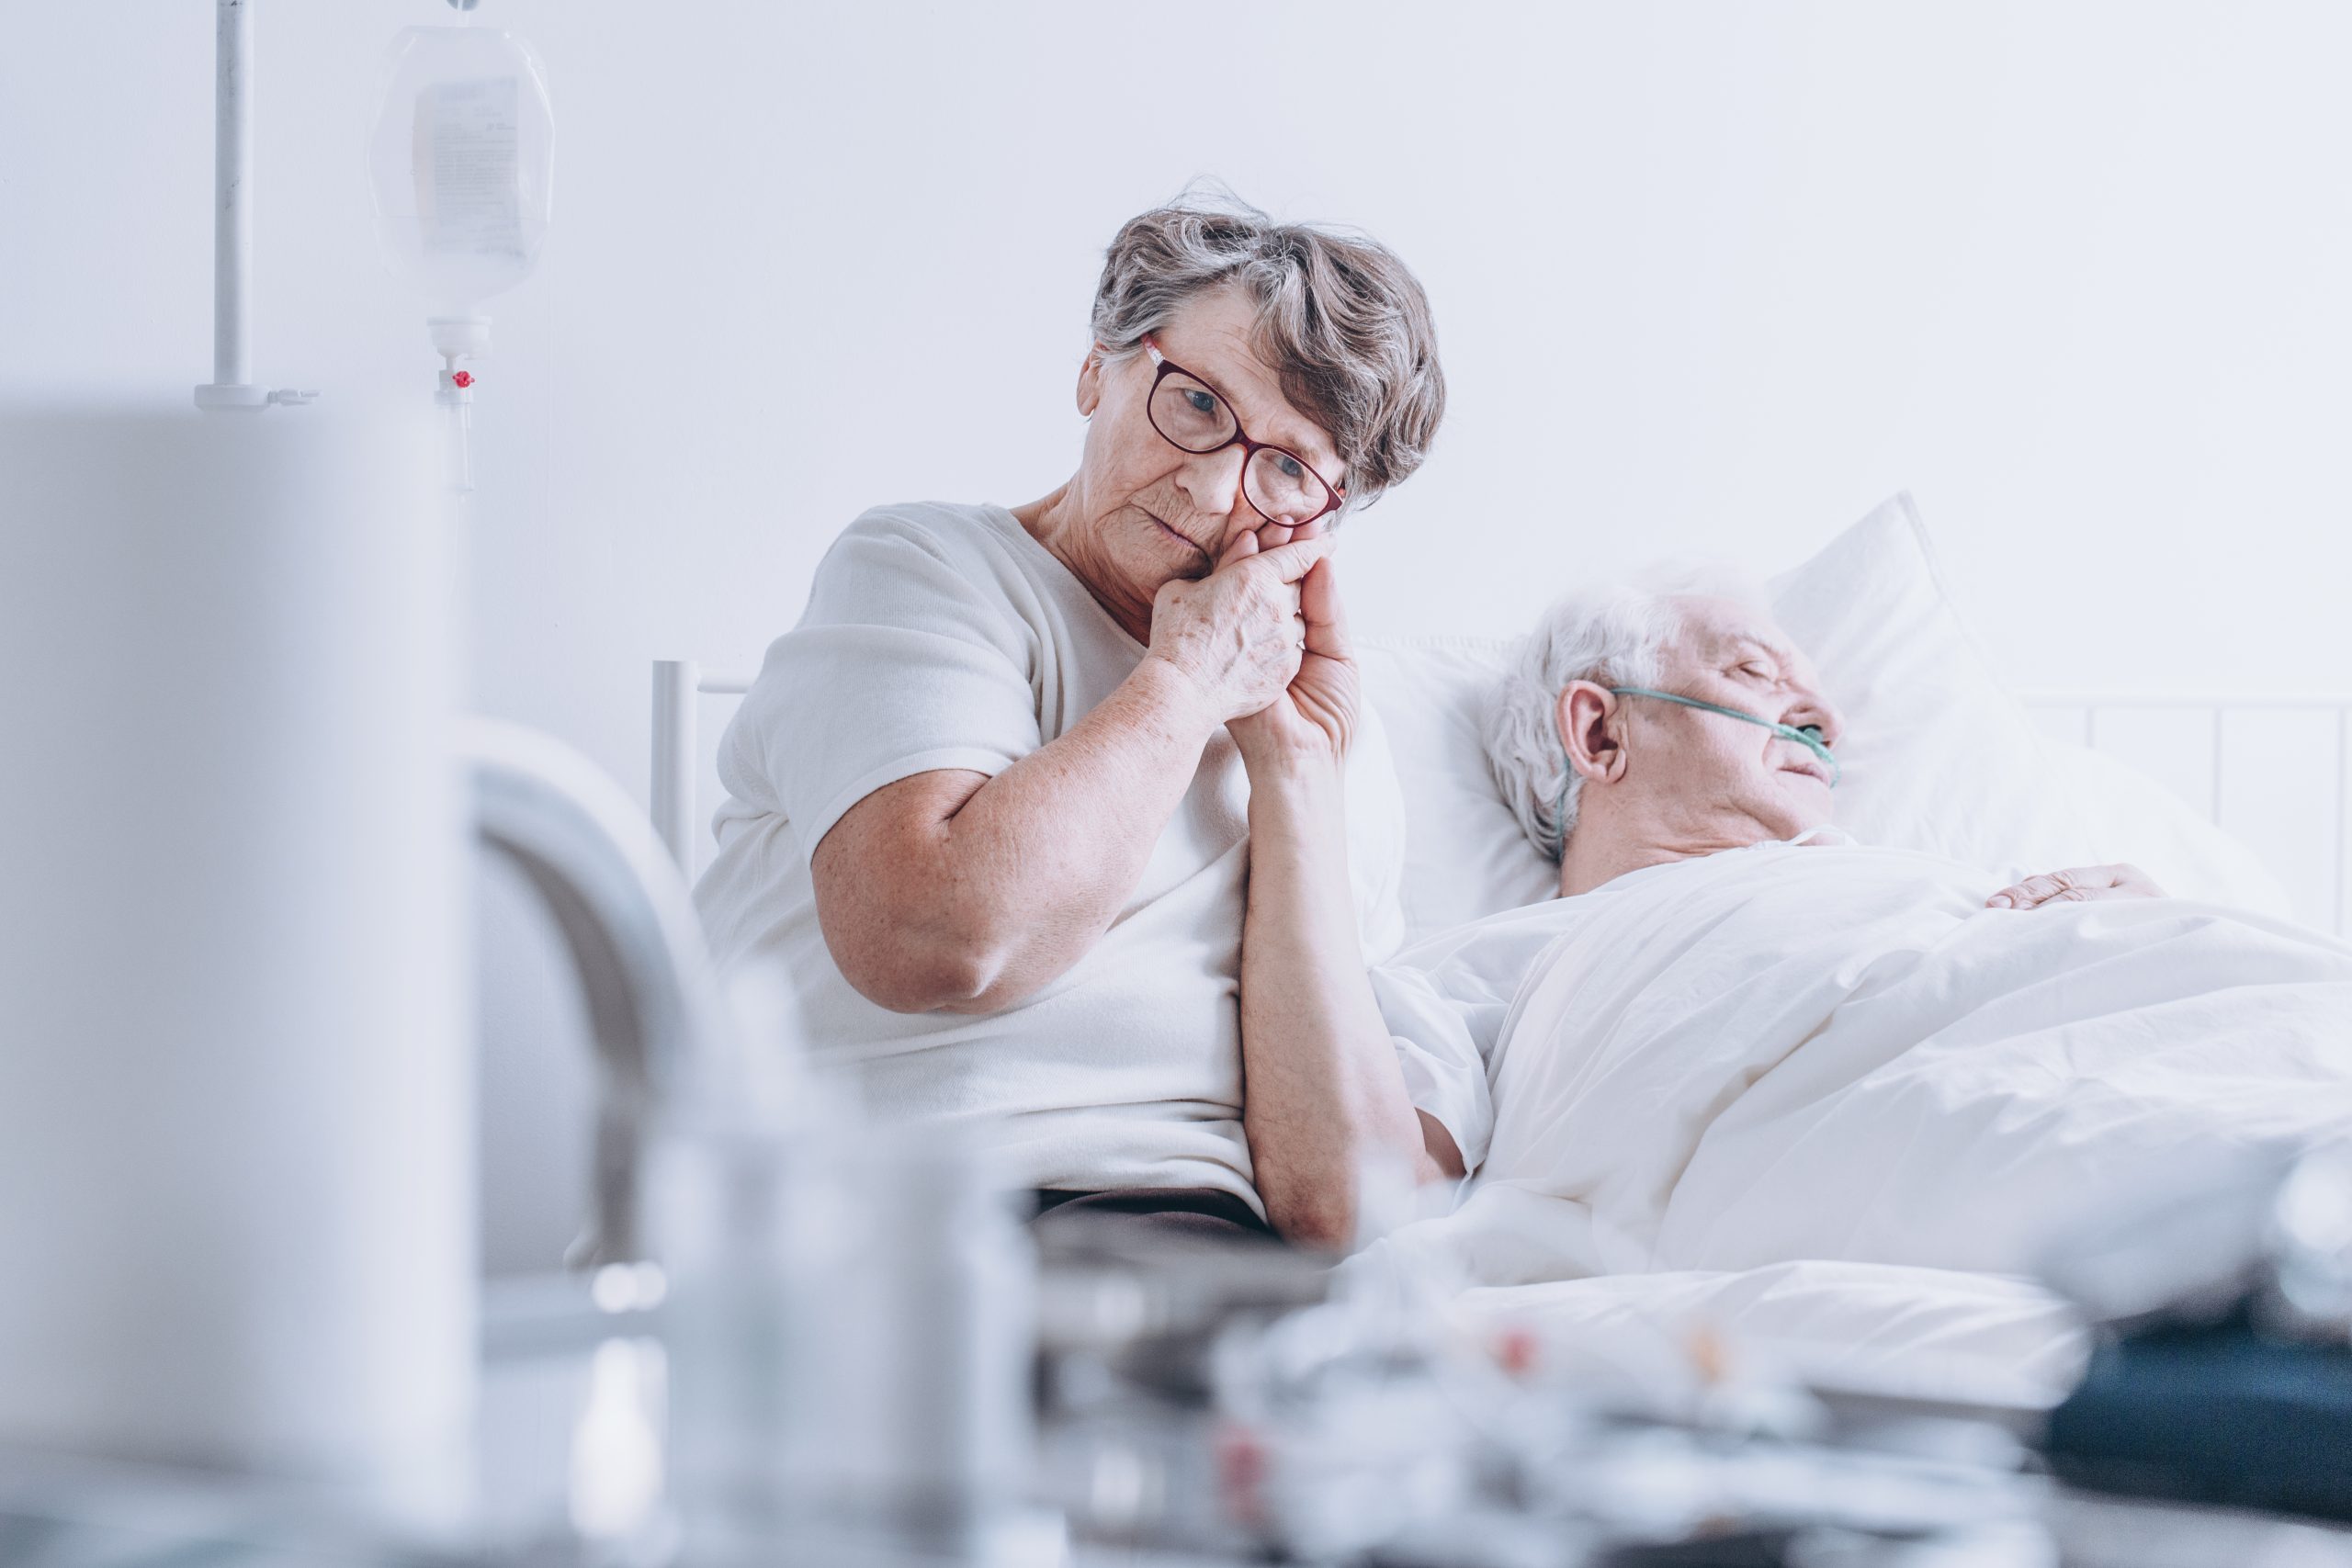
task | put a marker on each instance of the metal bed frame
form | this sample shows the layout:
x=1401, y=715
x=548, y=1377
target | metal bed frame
x=2089, y=705
x=678, y=683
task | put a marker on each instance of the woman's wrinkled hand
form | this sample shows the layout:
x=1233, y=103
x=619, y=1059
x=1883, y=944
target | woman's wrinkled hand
x=2077, y=885
x=1315, y=715
x=1238, y=633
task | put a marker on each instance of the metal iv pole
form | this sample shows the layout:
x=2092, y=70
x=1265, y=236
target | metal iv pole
x=232, y=217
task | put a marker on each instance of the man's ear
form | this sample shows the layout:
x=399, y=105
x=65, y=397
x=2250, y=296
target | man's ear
x=1090, y=382
x=1588, y=720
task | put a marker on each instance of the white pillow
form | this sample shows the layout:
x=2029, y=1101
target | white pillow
x=1376, y=839
x=1938, y=756
x=1464, y=856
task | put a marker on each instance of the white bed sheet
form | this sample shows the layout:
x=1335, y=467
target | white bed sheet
x=1818, y=1096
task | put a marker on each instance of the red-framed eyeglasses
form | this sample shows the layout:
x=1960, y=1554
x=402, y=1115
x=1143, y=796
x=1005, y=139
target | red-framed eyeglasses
x=1193, y=416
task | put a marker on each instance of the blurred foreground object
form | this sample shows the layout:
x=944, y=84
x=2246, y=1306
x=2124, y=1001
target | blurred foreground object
x=235, y=1083
x=2228, y=1377
x=850, y=1326
x=1229, y=1405
x=237, y=1080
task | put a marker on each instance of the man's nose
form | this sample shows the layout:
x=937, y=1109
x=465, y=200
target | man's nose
x=1815, y=709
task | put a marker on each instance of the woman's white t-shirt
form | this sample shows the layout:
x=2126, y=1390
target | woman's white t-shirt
x=941, y=635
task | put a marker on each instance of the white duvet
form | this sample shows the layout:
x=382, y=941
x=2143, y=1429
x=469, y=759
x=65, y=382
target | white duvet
x=1792, y=1053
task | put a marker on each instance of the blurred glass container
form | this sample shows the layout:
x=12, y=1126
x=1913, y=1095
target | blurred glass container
x=850, y=1330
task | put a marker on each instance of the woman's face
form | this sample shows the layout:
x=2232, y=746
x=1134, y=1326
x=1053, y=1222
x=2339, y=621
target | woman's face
x=1143, y=511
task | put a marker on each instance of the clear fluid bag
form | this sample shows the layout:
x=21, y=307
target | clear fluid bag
x=461, y=162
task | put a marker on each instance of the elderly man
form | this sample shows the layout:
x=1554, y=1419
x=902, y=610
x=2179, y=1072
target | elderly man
x=1611, y=744
x=1639, y=732
x=1639, y=729
x=1739, y=1040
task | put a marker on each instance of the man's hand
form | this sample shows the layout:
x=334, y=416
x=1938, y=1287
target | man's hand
x=2079, y=885
x=1315, y=714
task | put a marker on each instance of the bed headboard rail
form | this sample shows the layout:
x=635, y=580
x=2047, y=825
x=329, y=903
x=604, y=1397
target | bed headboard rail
x=2273, y=769
x=678, y=748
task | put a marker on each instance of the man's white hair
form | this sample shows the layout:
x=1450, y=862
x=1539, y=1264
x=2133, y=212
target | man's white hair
x=1614, y=635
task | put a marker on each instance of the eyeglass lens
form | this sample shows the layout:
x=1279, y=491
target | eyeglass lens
x=1195, y=419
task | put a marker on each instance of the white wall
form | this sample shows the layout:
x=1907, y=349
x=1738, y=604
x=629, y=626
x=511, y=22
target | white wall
x=1709, y=278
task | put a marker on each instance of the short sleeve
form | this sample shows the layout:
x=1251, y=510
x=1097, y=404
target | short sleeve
x=913, y=657
x=1446, y=1073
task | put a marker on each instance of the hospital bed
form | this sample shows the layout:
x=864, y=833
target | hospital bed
x=2269, y=769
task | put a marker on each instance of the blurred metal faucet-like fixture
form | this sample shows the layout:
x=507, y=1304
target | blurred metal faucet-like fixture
x=629, y=924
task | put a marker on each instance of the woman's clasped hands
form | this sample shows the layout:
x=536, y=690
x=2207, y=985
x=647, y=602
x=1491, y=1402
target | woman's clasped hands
x=1264, y=639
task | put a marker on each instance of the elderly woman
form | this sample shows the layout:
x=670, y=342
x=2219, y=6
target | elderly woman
x=991, y=799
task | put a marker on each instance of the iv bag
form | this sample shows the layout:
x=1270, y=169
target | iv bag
x=462, y=164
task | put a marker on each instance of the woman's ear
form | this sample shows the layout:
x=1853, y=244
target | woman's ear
x=1587, y=718
x=1090, y=382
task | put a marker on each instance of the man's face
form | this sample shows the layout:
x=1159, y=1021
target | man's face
x=1707, y=774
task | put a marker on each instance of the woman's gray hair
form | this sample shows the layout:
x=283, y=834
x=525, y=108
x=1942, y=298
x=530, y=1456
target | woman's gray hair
x=1345, y=325
x=1613, y=637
